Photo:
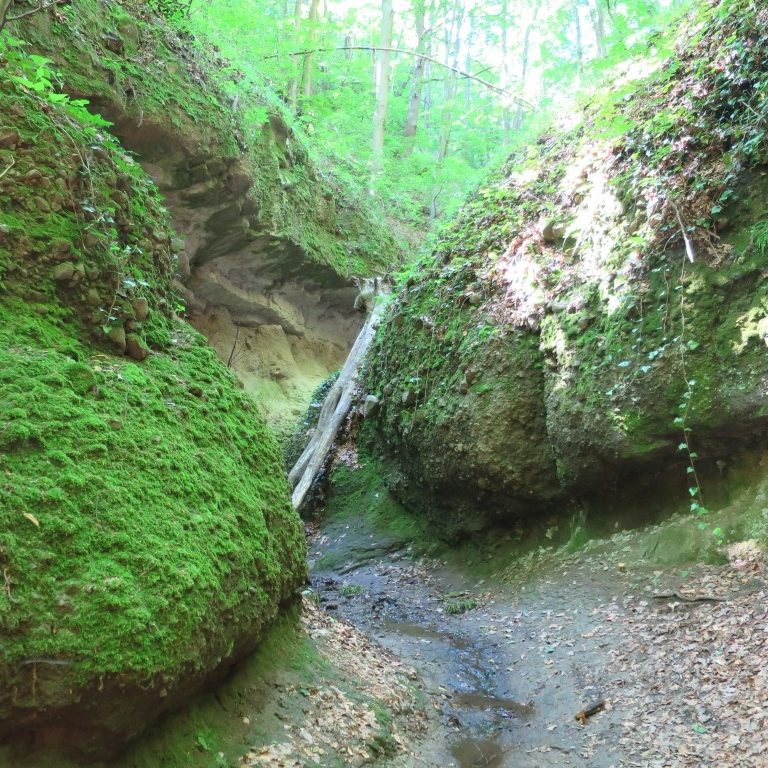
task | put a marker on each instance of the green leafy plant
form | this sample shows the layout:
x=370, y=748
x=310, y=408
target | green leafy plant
x=457, y=607
x=759, y=233
x=37, y=74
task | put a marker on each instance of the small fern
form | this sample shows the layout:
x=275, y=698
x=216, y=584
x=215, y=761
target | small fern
x=759, y=234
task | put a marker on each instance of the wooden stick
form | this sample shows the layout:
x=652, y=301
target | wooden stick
x=517, y=99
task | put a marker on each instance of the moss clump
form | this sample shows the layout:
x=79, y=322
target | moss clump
x=140, y=559
x=362, y=492
x=358, y=505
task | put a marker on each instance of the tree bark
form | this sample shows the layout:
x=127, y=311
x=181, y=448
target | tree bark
x=452, y=51
x=306, y=71
x=579, y=43
x=382, y=87
x=506, y=118
x=598, y=22
x=468, y=58
x=5, y=6
x=419, y=68
x=293, y=87
x=525, y=60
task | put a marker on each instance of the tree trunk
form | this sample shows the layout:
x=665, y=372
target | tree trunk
x=426, y=108
x=293, y=86
x=506, y=118
x=306, y=71
x=335, y=408
x=452, y=51
x=468, y=59
x=382, y=87
x=598, y=22
x=579, y=43
x=525, y=62
x=5, y=6
x=419, y=68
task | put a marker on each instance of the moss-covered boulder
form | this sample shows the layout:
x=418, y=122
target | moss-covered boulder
x=146, y=532
x=593, y=326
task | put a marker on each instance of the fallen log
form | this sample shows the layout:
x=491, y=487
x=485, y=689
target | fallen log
x=335, y=408
x=689, y=599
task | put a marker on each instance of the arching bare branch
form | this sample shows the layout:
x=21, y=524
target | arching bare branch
x=5, y=6
x=374, y=49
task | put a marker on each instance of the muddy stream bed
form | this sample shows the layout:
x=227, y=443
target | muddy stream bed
x=507, y=665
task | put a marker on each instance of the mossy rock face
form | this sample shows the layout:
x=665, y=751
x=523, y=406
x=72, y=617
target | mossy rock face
x=146, y=533
x=530, y=363
x=461, y=413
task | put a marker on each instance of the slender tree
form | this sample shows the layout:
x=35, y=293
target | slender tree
x=452, y=53
x=306, y=71
x=525, y=60
x=597, y=12
x=293, y=86
x=382, y=86
x=419, y=69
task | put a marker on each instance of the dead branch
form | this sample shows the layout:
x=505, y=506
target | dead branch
x=13, y=162
x=373, y=49
x=5, y=6
x=689, y=599
x=234, y=346
x=335, y=408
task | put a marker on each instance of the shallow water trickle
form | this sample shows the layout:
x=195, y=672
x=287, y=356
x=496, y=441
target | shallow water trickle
x=478, y=753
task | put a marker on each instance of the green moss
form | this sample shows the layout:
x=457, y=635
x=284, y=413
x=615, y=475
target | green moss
x=189, y=98
x=625, y=328
x=138, y=558
x=193, y=737
x=362, y=492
